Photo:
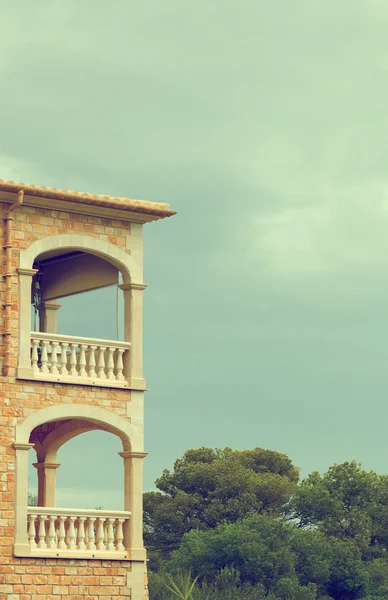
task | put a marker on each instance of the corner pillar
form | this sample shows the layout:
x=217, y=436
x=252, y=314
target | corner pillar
x=25, y=281
x=48, y=316
x=46, y=482
x=133, y=502
x=133, y=332
x=21, y=491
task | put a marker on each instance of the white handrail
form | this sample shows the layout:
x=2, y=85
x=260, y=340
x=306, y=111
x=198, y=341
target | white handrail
x=78, y=512
x=59, y=337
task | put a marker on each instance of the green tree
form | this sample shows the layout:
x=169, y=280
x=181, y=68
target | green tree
x=257, y=548
x=335, y=566
x=209, y=486
x=348, y=577
x=287, y=561
x=312, y=557
x=32, y=499
x=252, y=558
x=377, y=570
x=347, y=502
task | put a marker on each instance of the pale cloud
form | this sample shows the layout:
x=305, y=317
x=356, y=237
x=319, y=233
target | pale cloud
x=12, y=168
x=343, y=229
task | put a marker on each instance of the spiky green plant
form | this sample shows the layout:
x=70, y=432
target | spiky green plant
x=182, y=589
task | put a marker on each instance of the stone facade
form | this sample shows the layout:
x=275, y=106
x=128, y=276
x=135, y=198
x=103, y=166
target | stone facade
x=60, y=578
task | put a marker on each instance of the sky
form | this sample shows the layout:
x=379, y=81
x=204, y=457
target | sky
x=264, y=125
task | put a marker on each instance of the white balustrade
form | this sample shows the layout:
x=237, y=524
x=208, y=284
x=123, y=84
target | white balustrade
x=90, y=361
x=76, y=532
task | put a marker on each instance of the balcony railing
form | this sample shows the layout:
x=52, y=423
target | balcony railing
x=77, y=533
x=81, y=360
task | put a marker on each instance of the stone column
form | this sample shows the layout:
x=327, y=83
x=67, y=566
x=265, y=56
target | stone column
x=133, y=502
x=46, y=482
x=24, y=362
x=48, y=316
x=133, y=332
x=22, y=547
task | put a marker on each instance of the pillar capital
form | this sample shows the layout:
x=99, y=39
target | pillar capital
x=23, y=446
x=28, y=272
x=46, y=465
x=132, y=285
x=129, y=454
x=53, y=305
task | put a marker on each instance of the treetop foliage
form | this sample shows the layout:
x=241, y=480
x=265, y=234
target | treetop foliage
x=240, y=522
x=209, y=486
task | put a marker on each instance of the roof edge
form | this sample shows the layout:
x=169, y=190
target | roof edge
x=156, y=209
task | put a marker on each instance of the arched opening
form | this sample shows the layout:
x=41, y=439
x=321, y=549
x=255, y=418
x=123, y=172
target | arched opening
x=77, y=293
x=86, y=528
x=91, y=472
x=80, y=461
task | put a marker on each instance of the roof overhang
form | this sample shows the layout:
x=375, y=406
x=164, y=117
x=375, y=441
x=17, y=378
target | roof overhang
x=125, y=209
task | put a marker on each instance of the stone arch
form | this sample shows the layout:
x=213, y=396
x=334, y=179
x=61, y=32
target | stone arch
x=127, y=265
x=101, y=417
x=47, y=449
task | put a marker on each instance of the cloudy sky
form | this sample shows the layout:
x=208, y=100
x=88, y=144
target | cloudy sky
x=264, y=125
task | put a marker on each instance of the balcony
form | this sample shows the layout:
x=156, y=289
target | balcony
x=77, y=533
x=48, y=531
x=79, y=360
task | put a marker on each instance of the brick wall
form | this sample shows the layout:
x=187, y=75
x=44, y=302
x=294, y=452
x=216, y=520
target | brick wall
x=37, y=578
x=61, y=579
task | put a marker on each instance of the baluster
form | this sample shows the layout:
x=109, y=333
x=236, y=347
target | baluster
x=100, y=533
x=54, y=358
x=42, y=532
x=119, y=365
x=61, y=533
x=81, y=534
x=82, y=361
x=31, y=531
x=71, y=538
x=101, y=362
x=119, y=535
x=34, y=355
x=91, y=535
x=92, y=361
x=44, y=358
x=63, y=366
x=110, y=363
x=110, y=545
x=73, y=360
x=51, y=537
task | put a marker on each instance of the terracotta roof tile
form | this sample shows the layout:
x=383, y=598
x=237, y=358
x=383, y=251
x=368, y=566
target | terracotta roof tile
x=158, y=210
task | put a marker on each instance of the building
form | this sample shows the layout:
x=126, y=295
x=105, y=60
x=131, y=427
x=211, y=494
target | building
x=55, y=387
